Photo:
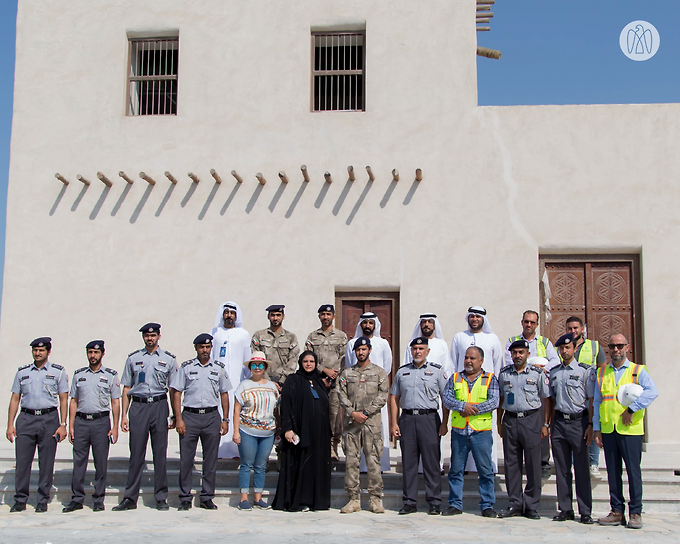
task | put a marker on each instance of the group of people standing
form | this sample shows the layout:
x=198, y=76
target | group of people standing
x=241, y=393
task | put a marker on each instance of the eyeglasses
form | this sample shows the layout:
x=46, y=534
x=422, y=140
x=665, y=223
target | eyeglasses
x=257, y=366
x=617, y=346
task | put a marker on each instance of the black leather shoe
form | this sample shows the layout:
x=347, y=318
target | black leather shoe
x=72, y=507
x=126, y=504
x=208, y=505
x=162, y=506
x=98, y=507
x=565, y=515
x=489, y=513
x=451, y=511
x=510, y=513
x=434, y=510
x=184, y=506
x=41, y=508
x=18, y=507
x=587, y=520
x=408, y=509
x=532, y=514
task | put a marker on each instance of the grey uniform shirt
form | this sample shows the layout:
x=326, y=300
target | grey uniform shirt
x=40, y=387
x=523, y=391
x=202, y=385
x=149, y=374
x=419, y=388
x=572, y=386
x=94, y=390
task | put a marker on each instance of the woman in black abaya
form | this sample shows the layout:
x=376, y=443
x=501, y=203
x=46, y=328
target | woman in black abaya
x=305, y=474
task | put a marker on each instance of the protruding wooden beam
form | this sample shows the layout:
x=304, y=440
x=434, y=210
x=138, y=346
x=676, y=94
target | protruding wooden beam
x=283, y=176
x=483, y=21
x=260, y=178
x=146, y=178
x=419, y=174
x=485, y=2
x=328, y=177
x=305, y=174
x=483, y=28
x=395, y=175
x=215, y=175
x=484, y=15
x=238, y=178
x=106, y=181
x=193, y=177
x=350, y=172
x=370, y=173
x=172, y=178
x=81, y=178
x=127, y=179
x=488, y=53
x=61, y=178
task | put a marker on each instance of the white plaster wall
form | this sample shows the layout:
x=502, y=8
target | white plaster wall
x=500, y=184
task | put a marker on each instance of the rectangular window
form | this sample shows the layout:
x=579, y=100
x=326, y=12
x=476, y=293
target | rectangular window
x=338, y=71
x=152, y=76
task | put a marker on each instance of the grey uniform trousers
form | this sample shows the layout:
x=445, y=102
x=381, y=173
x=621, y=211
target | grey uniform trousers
x=420, y=440
x=94, y=434
x=567, y=444
x=207, y=428
x=148, y=419
x=35, y=431
x=522, y=449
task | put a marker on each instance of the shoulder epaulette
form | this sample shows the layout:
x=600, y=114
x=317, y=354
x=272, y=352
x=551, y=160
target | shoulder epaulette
x=168, y=353
x=585, y=365
x=436, y=365
x=81, y=370
x=506, y=368
x=136, y=351
x=185, y=363
x=110, y=370
x=536, y=369
x=58, y=367
x=25, y=366
x=219, y=363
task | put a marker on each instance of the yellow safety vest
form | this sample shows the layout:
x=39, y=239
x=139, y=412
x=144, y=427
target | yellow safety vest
x=479, y=393
x=541, y=345
x=588, y=353
x=611, y=409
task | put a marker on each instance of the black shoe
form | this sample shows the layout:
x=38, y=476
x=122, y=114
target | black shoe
x=565, y=515
x=545, y=472
x=162, y=506
x=532, y=514
x=98, y=507
x=451, y=511
x=184, y=506
x=41, y=508
x=434, y=510
x=587, y=520
x=18, y=507
x=126, y=504
x=208, y=505
x=72, y=507
x=489, y=513
x=408, y=509
x=510, y=513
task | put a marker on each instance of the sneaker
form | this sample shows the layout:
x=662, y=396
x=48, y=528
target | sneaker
x=635, y=521
x=261, y=505
x=244, y=505
x=594, y=471
x=613, y=518
x=376, y=506
x=354, y=505
x=452, y=511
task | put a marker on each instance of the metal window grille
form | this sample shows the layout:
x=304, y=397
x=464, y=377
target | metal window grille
x=152, y=79
x=338, y=71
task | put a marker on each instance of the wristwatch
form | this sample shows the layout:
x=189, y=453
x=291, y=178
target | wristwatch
x=629, y=411
x=225, y=420
x=546, y=425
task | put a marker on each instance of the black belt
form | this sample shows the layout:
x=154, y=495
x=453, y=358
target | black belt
x=520, y=414
x=149, y=399
x=208, y=410
x=97, y=415
x=419, y=412
x=38, y=412
x=571, y=417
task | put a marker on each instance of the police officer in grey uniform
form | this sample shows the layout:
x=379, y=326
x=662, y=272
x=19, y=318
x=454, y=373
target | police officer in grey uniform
x=146, y=377
x=417, y=389
x=572, y=387
x=205, y=385
x=521, y=424
x=95, y=393
x=41, y=389
x=279, y=346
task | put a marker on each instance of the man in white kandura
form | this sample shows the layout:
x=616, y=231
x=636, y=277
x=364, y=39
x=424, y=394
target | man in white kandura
x=231, y=347
x=381, y=355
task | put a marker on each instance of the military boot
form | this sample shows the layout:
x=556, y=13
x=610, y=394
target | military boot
x=376, y=506
x=354, y=505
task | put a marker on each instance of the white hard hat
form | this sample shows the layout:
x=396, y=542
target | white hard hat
x=542, y=361
x=629, y=393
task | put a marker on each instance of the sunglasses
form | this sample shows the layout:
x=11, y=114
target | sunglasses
x=257, y=366
x=617, y=346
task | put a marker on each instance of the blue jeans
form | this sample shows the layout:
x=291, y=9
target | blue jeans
x=480, y=443
x=254, y=452
x=594, y=454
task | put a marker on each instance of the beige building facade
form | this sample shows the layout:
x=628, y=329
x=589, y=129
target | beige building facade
x=501, y=189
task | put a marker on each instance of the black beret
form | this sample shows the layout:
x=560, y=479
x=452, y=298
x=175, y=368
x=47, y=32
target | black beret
x=42, y=342
x=519, y=344
x=565, y=339
x=203, y=338
x=275, y=308
x=326, y=308
x=151, y=327
x=362, y=341
x=420, y=341
x=95, y=344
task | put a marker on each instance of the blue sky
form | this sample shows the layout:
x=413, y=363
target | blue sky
x=554, y=52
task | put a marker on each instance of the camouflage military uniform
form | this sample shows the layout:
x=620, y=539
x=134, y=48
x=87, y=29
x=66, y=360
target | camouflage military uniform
x=282, y=351
x=329, y=347
x=363, y=390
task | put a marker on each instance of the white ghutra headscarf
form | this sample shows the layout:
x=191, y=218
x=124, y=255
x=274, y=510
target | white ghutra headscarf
x=478, y=310
x=365, y=317
x=437, y=327
x=219, y=318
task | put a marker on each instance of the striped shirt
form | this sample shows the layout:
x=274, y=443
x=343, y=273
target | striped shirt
x=257, y=401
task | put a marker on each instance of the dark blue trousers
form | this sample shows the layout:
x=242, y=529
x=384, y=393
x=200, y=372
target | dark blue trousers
x=619, y=449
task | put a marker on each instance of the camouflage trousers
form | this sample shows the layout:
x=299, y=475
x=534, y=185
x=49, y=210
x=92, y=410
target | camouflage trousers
x=370, y=439
x=335, y=413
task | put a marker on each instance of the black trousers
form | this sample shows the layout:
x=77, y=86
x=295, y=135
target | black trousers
x=545, y=448
x=90, y=434
x=619, y=449
x=35, y=431
x=207, y=428
x=522, y=449
x=420, y=440
x=568, y=445
x=148, y=419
